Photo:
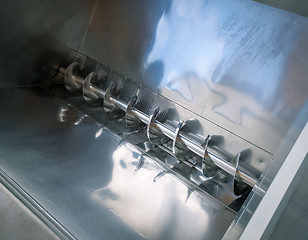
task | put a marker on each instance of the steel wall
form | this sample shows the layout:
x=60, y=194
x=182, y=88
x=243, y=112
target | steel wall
x=238, y=63
x=35, y=34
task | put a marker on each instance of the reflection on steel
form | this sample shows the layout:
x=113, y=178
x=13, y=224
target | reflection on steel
x=93, y=171
x=74, y=83
x=208, y=166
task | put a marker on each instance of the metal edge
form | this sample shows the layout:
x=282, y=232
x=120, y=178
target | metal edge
x=35, y=207
x=284, y=182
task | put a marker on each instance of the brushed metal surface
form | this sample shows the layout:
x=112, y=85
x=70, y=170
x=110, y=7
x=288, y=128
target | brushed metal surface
x=253, y=200
x=37, y=34
x=295, y=212
x=85, y=177
x=18, y=222
x=238, y=63
x=280, y=192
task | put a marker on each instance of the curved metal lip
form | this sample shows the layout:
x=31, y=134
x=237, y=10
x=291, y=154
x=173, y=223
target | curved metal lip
x=176, y=139
x=70, y=77
x=89, y=95
x=209, y=169
x=131, y=119
x=153, y=133
x=109, y=106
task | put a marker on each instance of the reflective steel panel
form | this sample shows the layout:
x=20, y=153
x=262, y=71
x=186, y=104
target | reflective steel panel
x=86, y=178
x=238, y=63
